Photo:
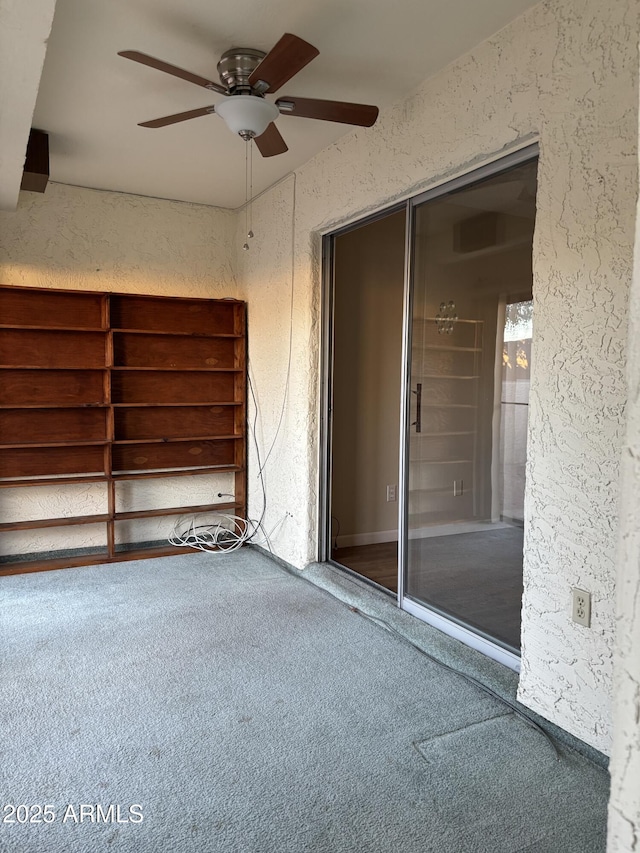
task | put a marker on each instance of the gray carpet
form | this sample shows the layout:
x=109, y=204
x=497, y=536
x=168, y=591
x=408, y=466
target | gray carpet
x=247, y=711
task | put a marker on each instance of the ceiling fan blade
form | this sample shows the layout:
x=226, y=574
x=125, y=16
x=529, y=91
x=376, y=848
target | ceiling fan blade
x=271, y=142
x=340, y=111
x=174, y=119
x=136, y=56
x=285, y=59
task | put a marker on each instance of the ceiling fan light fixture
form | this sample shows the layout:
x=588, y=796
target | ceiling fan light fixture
x=247, y=115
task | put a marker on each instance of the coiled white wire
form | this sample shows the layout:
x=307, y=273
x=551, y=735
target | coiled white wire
x=230, y=532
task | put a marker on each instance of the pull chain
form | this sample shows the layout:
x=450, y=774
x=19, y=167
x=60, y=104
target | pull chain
x=248, y=191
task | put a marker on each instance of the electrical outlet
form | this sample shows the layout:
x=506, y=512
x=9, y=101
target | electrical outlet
x=392, y=493
x=458, y=488
x=581, y=609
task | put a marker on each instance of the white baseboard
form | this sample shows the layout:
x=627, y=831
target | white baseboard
x=455, y=527
x=351, y=540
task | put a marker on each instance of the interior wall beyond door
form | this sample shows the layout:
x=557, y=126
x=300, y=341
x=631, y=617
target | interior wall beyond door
x=368, y=304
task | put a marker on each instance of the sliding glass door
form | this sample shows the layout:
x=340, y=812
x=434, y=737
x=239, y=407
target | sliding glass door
x=469, y=357
x=461, y=366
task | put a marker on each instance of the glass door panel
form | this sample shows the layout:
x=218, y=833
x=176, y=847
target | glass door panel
x=470, y=362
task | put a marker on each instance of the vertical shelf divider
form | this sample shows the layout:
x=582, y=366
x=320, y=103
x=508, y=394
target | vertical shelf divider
x=108, y=450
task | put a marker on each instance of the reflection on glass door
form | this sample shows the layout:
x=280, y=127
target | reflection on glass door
x=469, y=379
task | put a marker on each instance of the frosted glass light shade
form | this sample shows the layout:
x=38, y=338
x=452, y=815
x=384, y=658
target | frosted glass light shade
x=247, y=114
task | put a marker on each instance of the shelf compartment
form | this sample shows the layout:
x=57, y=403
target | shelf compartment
x=40, y=564
x=72, y=539
x=48, y=388
x=447, y=420
x=46, y=349
x=123, y=553
x=174, y=422
x=44, y=461
x=171, y=387
x=53, y=481
x=50, y=308
x=465, y=333
x=448, y=391
x=180, y=315
x=446, y=362
x=48, y=426
x=178, y=353
x=440, y=447
x=149, y=530
x=136, y=457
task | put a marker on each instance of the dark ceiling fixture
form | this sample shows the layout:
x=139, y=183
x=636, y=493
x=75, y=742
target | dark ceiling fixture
x=36, y=165
x=246, y=76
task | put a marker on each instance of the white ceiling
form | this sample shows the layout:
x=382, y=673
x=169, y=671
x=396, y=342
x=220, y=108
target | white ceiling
x=90, y=99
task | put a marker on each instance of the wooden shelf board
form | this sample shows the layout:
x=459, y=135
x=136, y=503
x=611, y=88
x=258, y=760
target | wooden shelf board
x=187, y=472
x=56, y=406
x=26, y=566
x=174, y=440
x=440, y=461
x=444, y=490
x=20, y=567
x=448, y=349
x=121, y=368
x=173, y=334
x=30, y=444
x=444, y=434
x=180, y=510
x=55, y=328
x=436, y=320
x=71, y=521
x=53, y=481
x=449, y=406
x=103, y=478
x=169, y=405
x=76, y=367
x=443, y=376
x=149, y=553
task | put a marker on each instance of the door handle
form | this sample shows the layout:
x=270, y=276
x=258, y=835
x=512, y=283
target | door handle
x=418, y=421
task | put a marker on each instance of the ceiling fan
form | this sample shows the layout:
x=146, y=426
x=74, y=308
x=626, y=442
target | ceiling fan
x=246, y=76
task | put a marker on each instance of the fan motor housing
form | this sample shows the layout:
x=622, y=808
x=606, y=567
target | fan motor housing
x=236, y=66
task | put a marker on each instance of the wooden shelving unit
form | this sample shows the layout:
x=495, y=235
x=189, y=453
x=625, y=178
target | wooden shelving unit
x=108, y=387
x=448, y=366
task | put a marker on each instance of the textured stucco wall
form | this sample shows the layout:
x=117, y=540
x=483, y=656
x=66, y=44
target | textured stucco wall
x=624, y=806
x=565, y=72
x=83, y=239
x=284, y=427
